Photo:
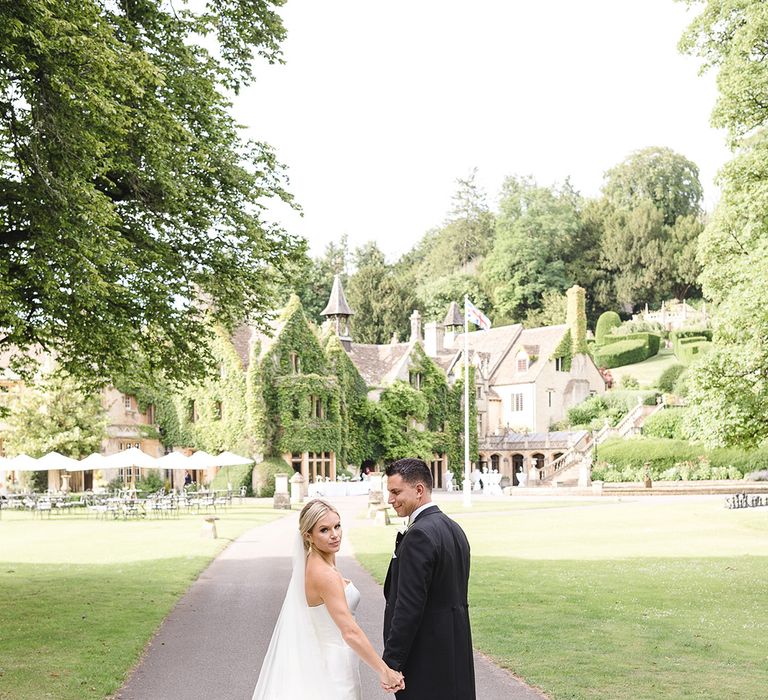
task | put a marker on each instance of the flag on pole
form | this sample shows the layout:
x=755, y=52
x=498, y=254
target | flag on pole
x=474, y=315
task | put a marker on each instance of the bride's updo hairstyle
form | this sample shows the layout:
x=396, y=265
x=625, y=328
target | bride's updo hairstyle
x=310, y=515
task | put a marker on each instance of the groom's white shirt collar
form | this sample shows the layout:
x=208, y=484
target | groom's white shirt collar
x=419, y=510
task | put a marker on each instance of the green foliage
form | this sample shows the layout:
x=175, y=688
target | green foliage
x=130, y=199
x=455, y=426
x=536, y=231
x=690, y=349
x=405, y=410
x=605, y=324
x=652, y=341
x=56, y=414
x=667, y=423
x=551, y=312
x=699, y=333
x=623, y=352
x=669, y=377
x=151, y=483
x=728, y=387
x=592, y=413
x=240, y=475
x=629, y=382
x=263, y=476
x=381, y=297
x=564, y=351
x=577, y=319
x=663, y=454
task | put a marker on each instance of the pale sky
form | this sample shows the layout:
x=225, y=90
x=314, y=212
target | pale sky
x=380, y=106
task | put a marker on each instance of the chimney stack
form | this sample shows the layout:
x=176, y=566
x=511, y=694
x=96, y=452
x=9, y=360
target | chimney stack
x=434, y=333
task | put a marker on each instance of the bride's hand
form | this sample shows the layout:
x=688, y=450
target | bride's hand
x=392, y=680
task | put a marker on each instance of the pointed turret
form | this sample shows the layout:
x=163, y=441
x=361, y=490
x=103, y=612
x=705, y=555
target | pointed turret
x=453, y=317
x=337, y=310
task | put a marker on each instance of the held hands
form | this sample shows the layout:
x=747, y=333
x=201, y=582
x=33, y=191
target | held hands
x=392, y=680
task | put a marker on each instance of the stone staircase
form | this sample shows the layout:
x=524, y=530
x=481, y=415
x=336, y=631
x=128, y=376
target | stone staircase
x=573, y=467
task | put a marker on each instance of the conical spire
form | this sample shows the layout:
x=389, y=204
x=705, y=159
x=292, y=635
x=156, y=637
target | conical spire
x=453, y=317
x=337, y=303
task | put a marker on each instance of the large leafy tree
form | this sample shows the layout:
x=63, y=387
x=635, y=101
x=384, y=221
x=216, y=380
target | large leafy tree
x=56, y=413
x=312, y=279
x=381, y=295
x=729, y=386
x=536, y=234
x=652, y=224
x=131, y=209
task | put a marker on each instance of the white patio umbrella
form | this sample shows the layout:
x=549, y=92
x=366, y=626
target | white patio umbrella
x=56, y=460
x=132, y=457
x=230, y=459
x=23, y=463
x=202, y=460
x=92, y=461
x=174, y=460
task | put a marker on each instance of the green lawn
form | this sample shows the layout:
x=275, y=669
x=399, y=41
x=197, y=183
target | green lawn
x=82, y=597
x=626, y=601
x=648, y=371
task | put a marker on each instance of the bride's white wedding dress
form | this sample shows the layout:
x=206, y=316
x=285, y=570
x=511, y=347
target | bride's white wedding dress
x=341, y=663
x=307, y=656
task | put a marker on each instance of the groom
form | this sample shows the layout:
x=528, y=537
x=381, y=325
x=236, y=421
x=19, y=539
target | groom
x=426, y=620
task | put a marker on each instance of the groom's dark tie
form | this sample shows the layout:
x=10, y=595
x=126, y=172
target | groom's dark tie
x=399, y=539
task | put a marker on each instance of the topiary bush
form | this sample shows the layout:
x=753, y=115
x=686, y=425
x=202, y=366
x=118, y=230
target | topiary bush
x=687, y=352
x=629, y=382
x=605, y=324
x=667, y=423
x=623, y=352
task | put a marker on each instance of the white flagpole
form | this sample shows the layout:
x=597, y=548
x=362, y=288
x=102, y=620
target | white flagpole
x=467, y=480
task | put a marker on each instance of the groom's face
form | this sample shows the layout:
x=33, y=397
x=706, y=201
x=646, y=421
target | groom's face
x=404, y=497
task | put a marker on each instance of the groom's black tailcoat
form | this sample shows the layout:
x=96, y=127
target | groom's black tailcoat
x=426, y=621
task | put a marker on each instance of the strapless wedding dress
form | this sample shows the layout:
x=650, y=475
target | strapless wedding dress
x=341, y=663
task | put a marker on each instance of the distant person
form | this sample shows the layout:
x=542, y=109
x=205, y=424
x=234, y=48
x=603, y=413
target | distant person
x=187, y=478
x=427, y=634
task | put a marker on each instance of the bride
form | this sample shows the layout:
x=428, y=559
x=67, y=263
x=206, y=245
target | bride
x=316, y=642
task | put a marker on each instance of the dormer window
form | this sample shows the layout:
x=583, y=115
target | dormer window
x=559, y=364
x=522, y=362
x=415, y=378
x=295, y=363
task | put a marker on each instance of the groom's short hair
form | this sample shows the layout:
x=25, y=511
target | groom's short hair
x=411, y=470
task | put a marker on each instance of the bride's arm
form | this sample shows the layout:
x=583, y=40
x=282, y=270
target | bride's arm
x=331, y=589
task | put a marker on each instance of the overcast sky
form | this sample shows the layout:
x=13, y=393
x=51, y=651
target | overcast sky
x=380, y=106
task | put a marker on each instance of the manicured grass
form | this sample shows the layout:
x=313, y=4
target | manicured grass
x=82, y=597
x=627, y=601
x=648, y=371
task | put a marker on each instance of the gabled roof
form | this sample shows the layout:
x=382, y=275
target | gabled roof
x=337, y=303
x=545, y=340
x=379, y=365
x=495, y=343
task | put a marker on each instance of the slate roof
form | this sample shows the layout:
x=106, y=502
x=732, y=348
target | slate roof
x=544, y=340
x=379, y=364
x=496, y=342
x=453, y=317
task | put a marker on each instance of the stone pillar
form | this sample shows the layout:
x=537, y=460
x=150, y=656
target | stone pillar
x=282, y=500
x=65, y=482
x=585, y=472
x=415, y=320
x=333, y=466
x=297, y=488
x=533, y=473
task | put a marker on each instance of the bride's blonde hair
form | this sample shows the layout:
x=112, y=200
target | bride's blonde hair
x=310, y=515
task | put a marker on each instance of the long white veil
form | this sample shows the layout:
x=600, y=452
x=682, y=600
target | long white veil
x=293, y=668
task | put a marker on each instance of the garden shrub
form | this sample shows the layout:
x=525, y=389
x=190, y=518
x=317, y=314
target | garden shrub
x=623, y=352
x=629, y=382
x=676, y=336
x=605, y=324
x=688, y=352
x=151, y=483
x=669, y=376
x=685, y=458
x=652, y=341
x=263, y=478
x=667, y=423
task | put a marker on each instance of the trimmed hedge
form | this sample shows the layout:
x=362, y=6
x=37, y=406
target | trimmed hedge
x=675, y=336
x=652, y=340
x=605, y=324
x=664, y=454
x=624, y=352
x=687, y=352
x=669, y=377
x=263, y=478
x=238, y=476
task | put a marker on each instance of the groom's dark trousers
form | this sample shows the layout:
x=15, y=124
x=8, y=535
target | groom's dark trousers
x=426, y=621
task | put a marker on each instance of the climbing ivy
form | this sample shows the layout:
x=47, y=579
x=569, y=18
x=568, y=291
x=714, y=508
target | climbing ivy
x=564, y=350
x=454, y=426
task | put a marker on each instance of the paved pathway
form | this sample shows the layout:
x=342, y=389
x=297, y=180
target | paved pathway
x=212, y=644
